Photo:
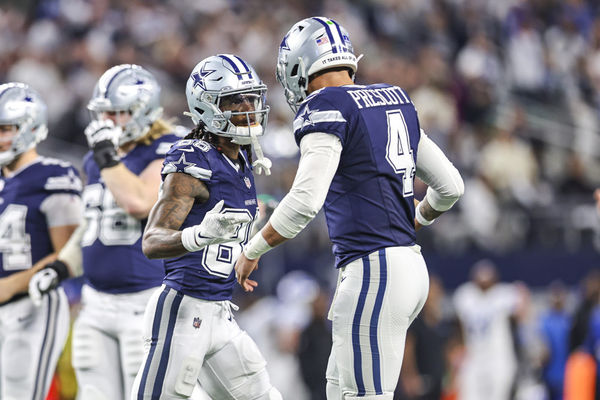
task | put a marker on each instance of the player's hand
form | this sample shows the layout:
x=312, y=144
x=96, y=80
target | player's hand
x=216, y=227
x=102, y=130
x=243, y=269
x=41, y=283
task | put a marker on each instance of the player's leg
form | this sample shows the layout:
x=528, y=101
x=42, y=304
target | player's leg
x=237, y=370
x=32, y=345
x=131, y=335
x=376, y=300
x=95, y=352
x=176, y=332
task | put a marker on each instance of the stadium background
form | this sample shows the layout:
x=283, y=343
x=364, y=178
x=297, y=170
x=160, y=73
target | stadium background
x=508, y=89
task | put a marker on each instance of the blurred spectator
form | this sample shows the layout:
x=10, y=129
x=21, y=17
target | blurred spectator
x=314, y=348
x=590, y=288
x=424, y=364
x=486, y=310
x=555, y=325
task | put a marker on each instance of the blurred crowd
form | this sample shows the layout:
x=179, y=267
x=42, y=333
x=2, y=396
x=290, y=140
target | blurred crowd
x=510, y=90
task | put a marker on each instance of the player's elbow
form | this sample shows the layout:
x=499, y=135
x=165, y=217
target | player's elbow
x=149, y=247
x=458, y=188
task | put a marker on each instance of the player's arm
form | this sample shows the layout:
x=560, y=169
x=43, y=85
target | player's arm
x=134, y=194
x=319, y=160
x=19, y=282
x=162, y=237
x=445, y=183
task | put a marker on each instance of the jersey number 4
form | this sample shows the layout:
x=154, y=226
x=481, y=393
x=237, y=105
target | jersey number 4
x=15, y=244
x=398, y=152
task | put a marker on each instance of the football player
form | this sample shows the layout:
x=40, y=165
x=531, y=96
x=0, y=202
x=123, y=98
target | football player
x=40, y=207
x=360, y=149
x=128, y=141
x=199, y=224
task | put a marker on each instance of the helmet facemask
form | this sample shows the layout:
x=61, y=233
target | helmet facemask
x=227, y=98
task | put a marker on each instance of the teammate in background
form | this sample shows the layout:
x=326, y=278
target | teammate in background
x=40, y=207
x=486, y=309
x=128, y=141
x=360, y=148
x=199, y=225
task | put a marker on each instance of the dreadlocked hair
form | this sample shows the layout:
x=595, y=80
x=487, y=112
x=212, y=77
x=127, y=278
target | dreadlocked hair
x=200, y=133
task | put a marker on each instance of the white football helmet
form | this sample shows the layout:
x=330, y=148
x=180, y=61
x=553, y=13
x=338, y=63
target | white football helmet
x=312, y=45
x=128, y=88
x=226, y=76
x=22, y=107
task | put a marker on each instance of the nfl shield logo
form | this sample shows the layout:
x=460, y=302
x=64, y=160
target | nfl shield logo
x=197, y=322
x=247, y=181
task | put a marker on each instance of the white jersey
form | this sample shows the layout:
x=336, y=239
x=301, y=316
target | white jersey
x=490, y=363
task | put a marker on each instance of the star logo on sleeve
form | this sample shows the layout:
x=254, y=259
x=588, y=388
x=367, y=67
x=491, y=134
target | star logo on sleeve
x=307, y=116
x=199, y=77
x=182, y=163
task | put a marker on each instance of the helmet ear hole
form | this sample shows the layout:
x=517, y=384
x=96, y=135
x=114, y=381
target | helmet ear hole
x=294, y=71
x=199, y=110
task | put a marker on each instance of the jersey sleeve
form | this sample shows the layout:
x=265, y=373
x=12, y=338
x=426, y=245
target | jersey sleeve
x=160, y=147
x=324, y=112
x=188, y=157
x=62, y=177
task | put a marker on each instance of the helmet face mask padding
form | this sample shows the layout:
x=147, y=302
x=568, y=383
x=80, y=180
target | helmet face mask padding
x=24, y=109
x=312, y=45
x=131, y=89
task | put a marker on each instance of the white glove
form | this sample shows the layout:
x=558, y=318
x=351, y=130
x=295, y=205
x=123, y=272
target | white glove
x=216, y=227
x=100, y=130
x=262, y=164
x=41, y=283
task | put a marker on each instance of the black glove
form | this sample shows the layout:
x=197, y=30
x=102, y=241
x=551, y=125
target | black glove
x=105, y=154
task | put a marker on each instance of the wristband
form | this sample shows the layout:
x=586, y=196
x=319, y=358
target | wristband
x=256, y=247
x=62, y=271
x=188, y=239
x=420, y=218
x=105, y=154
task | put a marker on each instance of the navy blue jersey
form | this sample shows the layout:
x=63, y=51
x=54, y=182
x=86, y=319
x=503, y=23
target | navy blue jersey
x=208, y=274
x=113, y=261
x=369, y=205
x=24, y=237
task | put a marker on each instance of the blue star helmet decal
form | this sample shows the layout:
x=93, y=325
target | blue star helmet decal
x=139, y=82
x=199, y=77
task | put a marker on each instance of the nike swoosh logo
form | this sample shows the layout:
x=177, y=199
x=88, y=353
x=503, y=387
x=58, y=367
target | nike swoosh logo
x=343, y=277
x=188, y=149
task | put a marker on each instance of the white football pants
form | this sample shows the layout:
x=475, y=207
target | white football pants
x=31, y=341
x=108, y=345
x=190, y=341
x=377, y=298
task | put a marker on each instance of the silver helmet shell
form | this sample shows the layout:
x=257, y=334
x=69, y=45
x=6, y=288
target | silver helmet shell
x=132, y=89
x=216, y=78
x=24, y=108
x=310, y=46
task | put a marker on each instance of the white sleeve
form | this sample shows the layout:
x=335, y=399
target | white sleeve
x=70, y=254
x=320, y=156
x=62, y=209
x=444, y=181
